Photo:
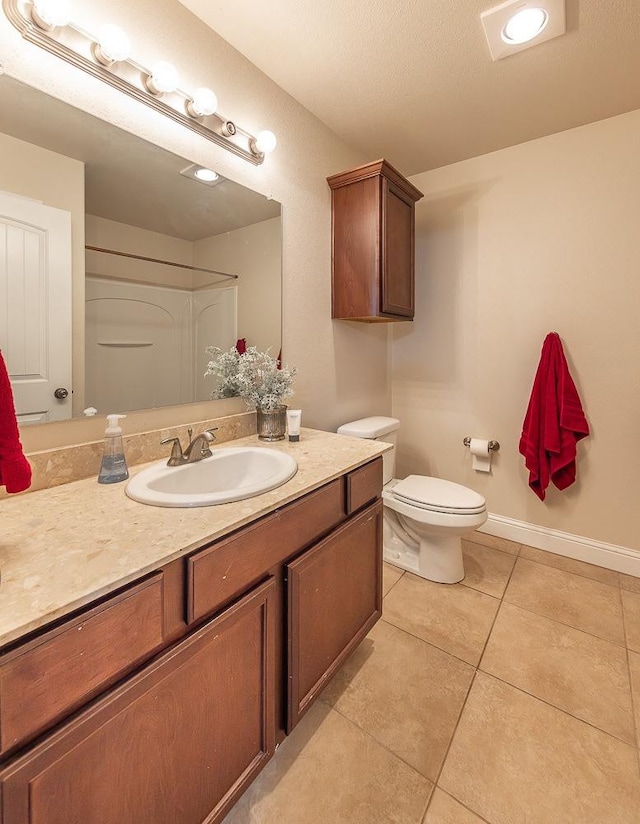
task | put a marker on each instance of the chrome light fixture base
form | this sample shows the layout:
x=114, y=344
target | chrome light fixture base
x=78, y=47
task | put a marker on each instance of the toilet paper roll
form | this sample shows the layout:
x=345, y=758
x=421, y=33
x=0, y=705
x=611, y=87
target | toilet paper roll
x=481, y=455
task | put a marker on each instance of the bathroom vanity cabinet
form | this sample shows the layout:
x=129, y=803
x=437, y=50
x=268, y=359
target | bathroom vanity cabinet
x=373, y=244
x=162, y=702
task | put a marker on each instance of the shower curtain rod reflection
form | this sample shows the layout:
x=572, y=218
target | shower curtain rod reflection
x=163, y=262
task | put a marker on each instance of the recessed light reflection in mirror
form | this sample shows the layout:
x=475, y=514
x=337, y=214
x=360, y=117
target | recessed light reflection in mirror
x=202, y=175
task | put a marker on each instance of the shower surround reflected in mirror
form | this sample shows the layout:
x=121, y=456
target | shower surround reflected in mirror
x=140, y=322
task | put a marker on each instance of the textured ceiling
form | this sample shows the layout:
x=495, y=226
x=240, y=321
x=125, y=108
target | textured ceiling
x=412, y=80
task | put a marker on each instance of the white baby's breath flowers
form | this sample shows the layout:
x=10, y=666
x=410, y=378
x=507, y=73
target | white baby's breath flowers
x=254, y=376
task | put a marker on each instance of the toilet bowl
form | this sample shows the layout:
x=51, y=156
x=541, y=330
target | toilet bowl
x=424, y=517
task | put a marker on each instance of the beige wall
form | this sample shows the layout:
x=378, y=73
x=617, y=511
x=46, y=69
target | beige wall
x=56, y=181
x=342, y=368
x=254, y=254
x=540, y=237
x=109, y=234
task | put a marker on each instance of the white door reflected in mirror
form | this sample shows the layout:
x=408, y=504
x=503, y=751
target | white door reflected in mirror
x=35, y=291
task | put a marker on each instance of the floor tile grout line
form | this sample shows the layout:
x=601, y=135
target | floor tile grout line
x=477, y=667
x=634, y=700
x=457, y=800
x=484, y=591
x=564, y=623
x=624, y=622
x=456, y=584
x=381, y=744
x=535, y=697
x=495, y=598
x=428, y=643
x=453, y=735
x=560, y=709
x=570, y=571
x=473, y=680
x=497, y=549
x=495, y=617
x=395, y=583
x=577, y=629
x=636, y=715
x=431, y=643
x=614, y=587
x=427, y=805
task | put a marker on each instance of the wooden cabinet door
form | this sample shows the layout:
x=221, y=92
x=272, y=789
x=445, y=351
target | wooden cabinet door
x=355, y=279
x=176, y=744
x=373, y=236
x=398, y=243
x=335, y=597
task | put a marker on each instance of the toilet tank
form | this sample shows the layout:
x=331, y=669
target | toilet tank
x=377, y=428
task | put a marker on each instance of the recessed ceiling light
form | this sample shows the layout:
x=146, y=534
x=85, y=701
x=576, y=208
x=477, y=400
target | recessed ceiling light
x=202, y=175
x=525, y=25
x=520, y=24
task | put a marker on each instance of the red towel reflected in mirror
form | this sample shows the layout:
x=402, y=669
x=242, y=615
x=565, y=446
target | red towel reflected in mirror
x=15, y=471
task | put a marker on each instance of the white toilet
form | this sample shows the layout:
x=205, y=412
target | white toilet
x=424, y=517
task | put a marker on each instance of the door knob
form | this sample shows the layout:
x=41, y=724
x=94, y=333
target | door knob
x=61, y=393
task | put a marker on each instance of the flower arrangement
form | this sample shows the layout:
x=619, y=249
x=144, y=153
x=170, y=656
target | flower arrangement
x=253, y=375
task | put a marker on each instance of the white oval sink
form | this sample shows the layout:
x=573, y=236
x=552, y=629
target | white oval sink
x=230, y=474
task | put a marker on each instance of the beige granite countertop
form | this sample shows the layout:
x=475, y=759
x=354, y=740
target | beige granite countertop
x=64, y=547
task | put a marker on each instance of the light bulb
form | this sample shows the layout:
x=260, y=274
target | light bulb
x=264, y=143
x=524, y=26
x=208, y=175
x=203, y=103
x=51, y=13
x=113, y=45
x=164, y=78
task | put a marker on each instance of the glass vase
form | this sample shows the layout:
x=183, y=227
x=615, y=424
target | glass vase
x=272, y=423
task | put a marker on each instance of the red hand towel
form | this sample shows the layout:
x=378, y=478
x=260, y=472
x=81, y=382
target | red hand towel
x=15, y=472
x=554, y=422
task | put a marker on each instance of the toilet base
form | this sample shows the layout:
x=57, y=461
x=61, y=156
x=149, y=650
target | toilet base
x=437, y=558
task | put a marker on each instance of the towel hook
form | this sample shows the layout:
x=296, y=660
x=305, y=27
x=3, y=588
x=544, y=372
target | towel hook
x=494, y=446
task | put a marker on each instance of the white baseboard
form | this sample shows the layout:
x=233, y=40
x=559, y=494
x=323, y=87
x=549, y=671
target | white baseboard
x=611, y=556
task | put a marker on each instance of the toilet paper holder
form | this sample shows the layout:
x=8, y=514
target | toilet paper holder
x=494, y=446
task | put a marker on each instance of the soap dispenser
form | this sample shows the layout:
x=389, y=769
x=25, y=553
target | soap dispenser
x=114, y=464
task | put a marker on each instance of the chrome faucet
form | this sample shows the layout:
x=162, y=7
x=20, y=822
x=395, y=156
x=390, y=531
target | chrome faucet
x=197, y=450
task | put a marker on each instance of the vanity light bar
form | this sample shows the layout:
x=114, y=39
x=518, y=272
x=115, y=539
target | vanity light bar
x=106, y=56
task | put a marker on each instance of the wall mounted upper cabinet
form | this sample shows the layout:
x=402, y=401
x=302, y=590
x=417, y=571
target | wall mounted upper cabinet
x=373, y=244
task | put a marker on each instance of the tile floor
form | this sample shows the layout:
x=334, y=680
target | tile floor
x=507, y=699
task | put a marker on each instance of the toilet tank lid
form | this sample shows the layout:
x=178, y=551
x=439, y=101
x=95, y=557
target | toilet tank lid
x=373, y=427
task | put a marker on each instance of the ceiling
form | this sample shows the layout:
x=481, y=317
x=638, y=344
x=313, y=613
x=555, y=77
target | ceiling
x=128, y=179
x=412, y=80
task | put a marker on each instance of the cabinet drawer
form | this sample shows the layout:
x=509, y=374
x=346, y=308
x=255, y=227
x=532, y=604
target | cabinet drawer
x=227, y=568
x=48, y=677
x=364, y=485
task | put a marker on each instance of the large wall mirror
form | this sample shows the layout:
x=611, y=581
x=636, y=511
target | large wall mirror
x=183, y=264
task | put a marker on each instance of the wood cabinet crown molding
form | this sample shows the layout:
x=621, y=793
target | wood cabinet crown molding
x=375, y=169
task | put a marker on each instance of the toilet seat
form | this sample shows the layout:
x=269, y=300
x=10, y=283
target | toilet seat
x=436, y=495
